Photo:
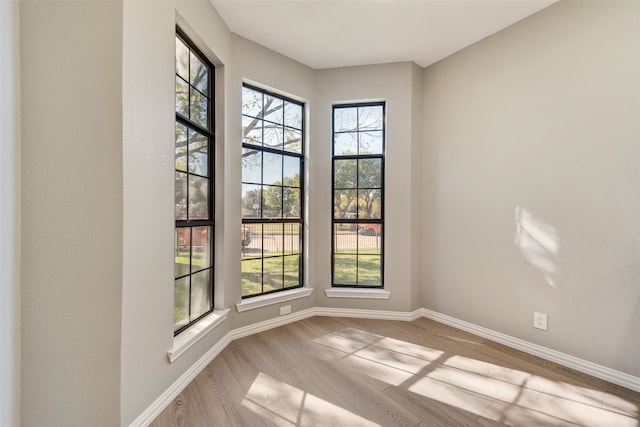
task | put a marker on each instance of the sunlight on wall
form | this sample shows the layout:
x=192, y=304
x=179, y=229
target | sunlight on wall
x=539, y=243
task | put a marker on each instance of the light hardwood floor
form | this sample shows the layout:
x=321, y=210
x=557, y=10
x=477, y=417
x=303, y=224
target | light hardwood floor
x=325, y=371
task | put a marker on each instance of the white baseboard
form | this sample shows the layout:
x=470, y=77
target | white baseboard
x=159, y=405
x=616, y=377
x=365, y=314
x=271, y=323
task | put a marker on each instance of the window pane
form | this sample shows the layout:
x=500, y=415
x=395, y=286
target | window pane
x=198, y=197
x=369, y=271
x=199, y=74
x=273, y=135
x=293, y=141
x=345, y=144
x=369, y=238
x=358, y=150
x=182, y=251
x=369, y=204
x=198, y=153
x=251, y=201
x=292, y=238
x=370, y=142
x=291, y=202
x=251, y=166
x=181, y=147
x=200, y=248
x=293, y=115
x=200, y=293
x=291, y=271
x=272, y=168
x=344, y=269
x=345, y=204
x=345, y=239
x=291, y=171
x=273, y=274
x=273, y=109
x=370, y=118
x=199, y=111
x=345, y=119
x=251, y=131
x=181, y=302
x=251, y=276
x=181, y=196
x=193, y=246
x=369, y=173
x=182, y=97
x=182, y=59
x=272, y=207
x=251, y=240
x=272, y=239
x=345, y=173
x=251, y=102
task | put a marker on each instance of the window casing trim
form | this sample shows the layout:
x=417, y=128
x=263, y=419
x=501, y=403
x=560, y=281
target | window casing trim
x=209, y=133
x=271, y=298
x=195, y=332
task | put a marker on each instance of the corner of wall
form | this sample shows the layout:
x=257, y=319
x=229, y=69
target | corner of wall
x=9, y=214
x=416, y=185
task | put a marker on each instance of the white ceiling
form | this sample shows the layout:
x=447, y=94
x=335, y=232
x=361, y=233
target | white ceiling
x=338, y=33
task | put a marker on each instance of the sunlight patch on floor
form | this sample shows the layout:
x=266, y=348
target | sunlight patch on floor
x=284, y=405
x=487, y=390
x=471, y=386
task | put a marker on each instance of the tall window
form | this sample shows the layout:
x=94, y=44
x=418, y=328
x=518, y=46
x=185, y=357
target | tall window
x=194, y=185
x=358, y=195
x=272, y=192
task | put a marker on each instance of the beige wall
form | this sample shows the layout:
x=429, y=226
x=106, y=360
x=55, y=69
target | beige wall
x=71, y=193
x=530, y=188
x=148, y=76
x=509, y=188
x=270, y=70
x=393, y=83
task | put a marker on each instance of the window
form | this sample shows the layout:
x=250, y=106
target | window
x=272, y=192
x=194, y=185
x=358, y=195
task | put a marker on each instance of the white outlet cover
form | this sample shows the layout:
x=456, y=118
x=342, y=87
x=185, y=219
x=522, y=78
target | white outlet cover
x=286, y=309
x=540, y=320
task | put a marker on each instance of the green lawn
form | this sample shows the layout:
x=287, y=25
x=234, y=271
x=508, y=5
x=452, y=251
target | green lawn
x=351, y=269
x=275, y=277
x=181, y=286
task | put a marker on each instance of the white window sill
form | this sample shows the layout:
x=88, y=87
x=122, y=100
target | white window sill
x=357, y=293
x=275, y=298
x=195, y=333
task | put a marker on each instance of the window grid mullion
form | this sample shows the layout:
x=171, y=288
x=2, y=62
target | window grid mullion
x=190, y=268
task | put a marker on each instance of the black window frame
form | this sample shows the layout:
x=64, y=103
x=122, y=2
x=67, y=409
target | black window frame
x=355, y=223
x=191, y=224
x=265, y=221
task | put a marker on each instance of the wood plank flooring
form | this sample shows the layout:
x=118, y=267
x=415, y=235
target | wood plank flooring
x=326, y=371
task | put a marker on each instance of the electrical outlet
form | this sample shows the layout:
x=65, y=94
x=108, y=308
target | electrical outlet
x=285, y=309
x=540, y=320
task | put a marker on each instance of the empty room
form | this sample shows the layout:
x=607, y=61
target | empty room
x=319, y=213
